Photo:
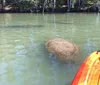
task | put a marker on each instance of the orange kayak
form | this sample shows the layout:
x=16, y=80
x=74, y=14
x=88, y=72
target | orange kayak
x=89, y=71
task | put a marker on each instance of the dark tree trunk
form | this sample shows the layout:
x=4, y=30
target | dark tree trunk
x=69, y=4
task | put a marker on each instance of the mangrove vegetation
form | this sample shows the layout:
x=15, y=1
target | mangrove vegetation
x=39, y=6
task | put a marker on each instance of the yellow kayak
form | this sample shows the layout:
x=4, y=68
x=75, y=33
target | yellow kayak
x=89, y=71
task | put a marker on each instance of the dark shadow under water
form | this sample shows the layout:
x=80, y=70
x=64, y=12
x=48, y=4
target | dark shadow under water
x=22, y=26
x=62, y=22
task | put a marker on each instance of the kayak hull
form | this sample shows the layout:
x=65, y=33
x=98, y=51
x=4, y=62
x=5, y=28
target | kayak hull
x=89, y=71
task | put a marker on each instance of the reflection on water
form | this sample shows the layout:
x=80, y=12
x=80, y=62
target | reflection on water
x=24, y=60
x=98, y=19
x=89, y=47
x=20, y=50
x=7, y=18
x=3, y=65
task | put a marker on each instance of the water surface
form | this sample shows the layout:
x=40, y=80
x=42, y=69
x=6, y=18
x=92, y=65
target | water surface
x=24, y=60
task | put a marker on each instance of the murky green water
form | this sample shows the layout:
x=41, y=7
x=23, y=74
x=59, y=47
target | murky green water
x=24, y=59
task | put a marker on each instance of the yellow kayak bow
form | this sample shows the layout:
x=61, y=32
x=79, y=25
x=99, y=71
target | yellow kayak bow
x=89, y=71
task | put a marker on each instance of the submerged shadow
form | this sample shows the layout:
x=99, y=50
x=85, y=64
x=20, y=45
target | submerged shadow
x=62, y=22
x=22, y=26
